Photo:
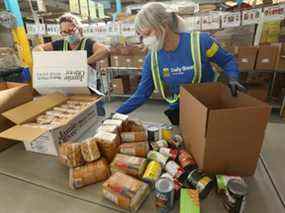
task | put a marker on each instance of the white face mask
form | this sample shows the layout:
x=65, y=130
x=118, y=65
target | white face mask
x=153, y=43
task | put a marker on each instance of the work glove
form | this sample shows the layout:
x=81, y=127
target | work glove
x=235, y=86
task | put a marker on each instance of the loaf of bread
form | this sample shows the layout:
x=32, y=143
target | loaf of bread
x=130, y=165
x=90, y=173
x=125, y=191
x=108, y=144
x=90, y=150
x=70, y=155
x=129, y=137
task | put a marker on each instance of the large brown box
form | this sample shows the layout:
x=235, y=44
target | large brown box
x=246, y=58
x=11, y=95
x=224, y=133
x=268, y=57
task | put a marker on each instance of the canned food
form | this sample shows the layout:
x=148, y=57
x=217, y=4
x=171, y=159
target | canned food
x=174, y=169
x=166, y=131
x=153, y=134
x=176, y=141
x=186, y=161
x=159, y=144
x=177, y=184
x=201, y=182
x=172, y=153
x=152, y=172
x=236, y=193
x=156, y=156
x=222, y=182
x=164, y=194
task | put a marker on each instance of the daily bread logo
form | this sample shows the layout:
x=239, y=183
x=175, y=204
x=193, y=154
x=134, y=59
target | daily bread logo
x=181, y=70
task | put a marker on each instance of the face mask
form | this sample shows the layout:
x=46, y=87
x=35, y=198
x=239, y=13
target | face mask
x=153, y=43
x=73, y=38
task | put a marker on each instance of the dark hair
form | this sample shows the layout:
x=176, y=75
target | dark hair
x=71, y=19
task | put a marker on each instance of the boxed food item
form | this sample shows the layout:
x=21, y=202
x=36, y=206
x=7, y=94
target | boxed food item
x=45, y=134
x=129, y=137
x=90, y=150
x=139, y=149
x=131, y=165
x=90, y=173
x=189, y=201
x=203, y=108
x=125, y=191
x=11, y=95
x=246, y=58
x=108, y=144
x=70, y=155
x=268, y=57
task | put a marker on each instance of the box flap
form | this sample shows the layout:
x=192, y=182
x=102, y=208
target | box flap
x=193, y=125
x=22, y=133
x=30, y=110
x=14, y=94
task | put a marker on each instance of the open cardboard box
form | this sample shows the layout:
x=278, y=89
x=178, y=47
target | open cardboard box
x=224, y=133
x=43, y=140
x=11, y=95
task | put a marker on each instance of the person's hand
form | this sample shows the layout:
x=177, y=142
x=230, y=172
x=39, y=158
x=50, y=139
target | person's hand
x=38, y=49
x=235, y=86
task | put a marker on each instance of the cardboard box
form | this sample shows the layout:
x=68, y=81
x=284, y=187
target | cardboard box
x=281, y=64
x=11, y=95
x=224, y=133
x=42, y=140
x=121, y=85
x=62, y=71
x=121, y=61
x=246, y=58
x=268, y=57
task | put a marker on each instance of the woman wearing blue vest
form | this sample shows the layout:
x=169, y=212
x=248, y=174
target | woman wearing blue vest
x=176, y=58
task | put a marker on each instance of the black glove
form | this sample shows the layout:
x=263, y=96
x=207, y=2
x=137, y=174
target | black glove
x=235, y=86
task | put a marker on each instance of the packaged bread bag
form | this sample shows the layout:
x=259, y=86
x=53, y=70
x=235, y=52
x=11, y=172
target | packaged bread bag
x=90, y=150
x=70, y=154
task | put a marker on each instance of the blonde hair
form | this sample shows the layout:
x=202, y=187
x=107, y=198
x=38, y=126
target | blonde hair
x=156, y=15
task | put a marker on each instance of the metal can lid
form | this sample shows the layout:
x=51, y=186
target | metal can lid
x=237, y=187
x=164, y=185
x=153, y=128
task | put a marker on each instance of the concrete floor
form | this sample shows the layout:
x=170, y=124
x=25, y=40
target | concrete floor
x=37, y=183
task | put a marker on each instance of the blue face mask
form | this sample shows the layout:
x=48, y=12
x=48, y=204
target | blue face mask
x=72, y=39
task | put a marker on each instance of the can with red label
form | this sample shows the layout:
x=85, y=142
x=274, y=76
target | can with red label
x=172, y=153
x=174, y=169
x=186, y=161
x=164, y=194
